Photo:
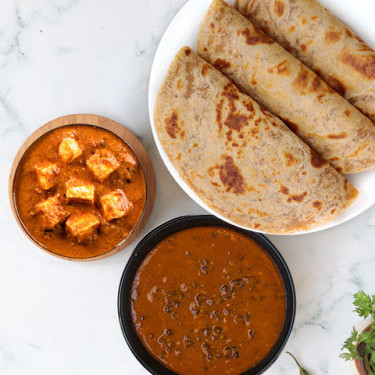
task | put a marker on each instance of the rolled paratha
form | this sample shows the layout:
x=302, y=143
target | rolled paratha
x=316, y=37
x=281, y=83
x=239, y=159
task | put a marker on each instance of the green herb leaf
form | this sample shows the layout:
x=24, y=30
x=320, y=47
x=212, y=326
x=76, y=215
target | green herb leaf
x=302, y=371
x=365, y=304
x=350, y=345
x=365, y=307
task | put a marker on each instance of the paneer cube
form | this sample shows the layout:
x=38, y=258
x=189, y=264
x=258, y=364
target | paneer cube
x=102, y=164
x=47, y=174
x=129, y=161
x=115, y=205
x=82, y=226
x=52, y=211
x=69, y=150
x=79, y=191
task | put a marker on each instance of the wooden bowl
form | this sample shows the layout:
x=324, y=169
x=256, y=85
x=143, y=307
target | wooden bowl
x=121, y=132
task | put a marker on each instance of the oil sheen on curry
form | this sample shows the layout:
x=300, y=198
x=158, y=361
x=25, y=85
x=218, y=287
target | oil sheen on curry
x=79, y=191
x=208, y=300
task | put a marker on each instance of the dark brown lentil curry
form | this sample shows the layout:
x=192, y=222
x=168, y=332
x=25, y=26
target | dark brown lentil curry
x=208, y=300
x=79, y=191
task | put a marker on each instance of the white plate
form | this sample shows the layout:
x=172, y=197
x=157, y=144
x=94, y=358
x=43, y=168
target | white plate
x=182, y=31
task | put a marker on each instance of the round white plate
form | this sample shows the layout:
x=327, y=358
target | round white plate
x=182, y=31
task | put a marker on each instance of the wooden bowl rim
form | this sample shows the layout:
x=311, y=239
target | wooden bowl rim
x=120, y=131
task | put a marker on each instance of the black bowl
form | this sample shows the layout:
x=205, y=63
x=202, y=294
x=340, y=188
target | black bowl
x=149, y=242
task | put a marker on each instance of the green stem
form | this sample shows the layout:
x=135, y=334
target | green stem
x=302, y=371
x=366, y=364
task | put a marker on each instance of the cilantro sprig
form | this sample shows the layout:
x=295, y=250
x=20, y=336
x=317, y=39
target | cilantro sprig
x=362, y=345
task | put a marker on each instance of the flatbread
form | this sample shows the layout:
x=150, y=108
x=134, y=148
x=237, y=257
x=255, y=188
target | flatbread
x=316, y=37
x=276, y=79
x=239, y=159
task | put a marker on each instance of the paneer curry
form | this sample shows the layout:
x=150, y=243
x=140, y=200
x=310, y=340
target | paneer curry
x=79, y=191
x=208, y=300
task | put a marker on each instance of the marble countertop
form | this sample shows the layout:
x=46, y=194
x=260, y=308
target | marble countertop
x=57, y=317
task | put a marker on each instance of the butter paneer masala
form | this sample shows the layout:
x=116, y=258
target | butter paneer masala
x=79, y=191
x=208, y=300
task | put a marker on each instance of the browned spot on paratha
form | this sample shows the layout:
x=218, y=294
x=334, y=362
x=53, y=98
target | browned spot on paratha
x=179, y=84
x=364, y=64
x=316, y=84
x=279, y=7
x=290, y=159
x=332, y=36
x=257, y=212
x=298, y=198
x=280, y=68
x=301, y=81
x=235, y=121
x=338, y=136
x=221, y=64
x=358, y=150
x=212, y=26
x=254, y=132
x=320, y=97
x=284, y=190
x=187, y=51
x=219, y=108
x=292, y=28
x=205, y=69
x=230, y=91
x=257, y=225
x=347, y=112
x=316, y=160
x=249, y=106
x=172, y=127
x=266, y=114
x=266, y=26
x=256, y=37
x=318, y=205
x=230, y=175
x=253, y=80
x=228, y=134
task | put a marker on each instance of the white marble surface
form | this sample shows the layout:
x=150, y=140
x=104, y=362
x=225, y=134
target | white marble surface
x=56, y=317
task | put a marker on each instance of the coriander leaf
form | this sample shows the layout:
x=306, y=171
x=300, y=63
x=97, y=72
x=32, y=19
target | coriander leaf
x=301, y=370
x=350, y=345
x=364, y=304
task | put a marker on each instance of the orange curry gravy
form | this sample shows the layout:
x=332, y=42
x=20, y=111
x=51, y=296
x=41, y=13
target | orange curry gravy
x=79, y=191
x=208, y=300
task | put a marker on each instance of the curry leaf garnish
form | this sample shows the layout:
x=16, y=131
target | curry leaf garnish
x=364, y=307
x=302, y=371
